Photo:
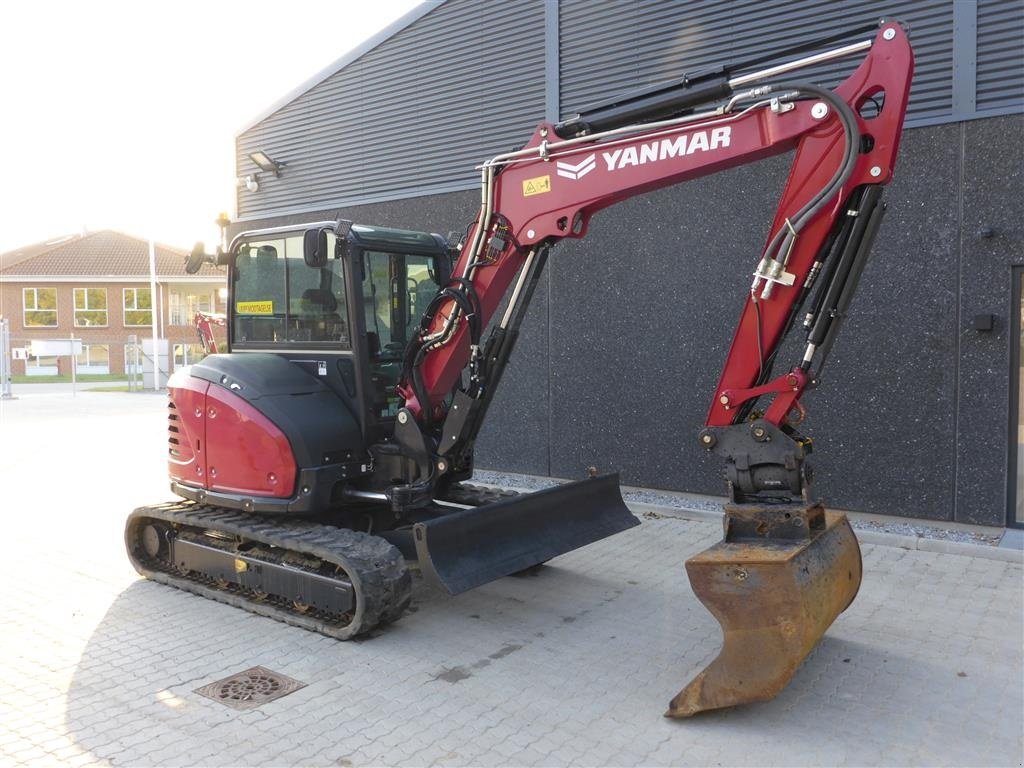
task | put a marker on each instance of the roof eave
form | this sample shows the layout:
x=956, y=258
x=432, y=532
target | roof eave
x=111, y=278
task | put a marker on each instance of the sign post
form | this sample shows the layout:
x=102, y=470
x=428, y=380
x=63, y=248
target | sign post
x=153, y=315
x=5, y=359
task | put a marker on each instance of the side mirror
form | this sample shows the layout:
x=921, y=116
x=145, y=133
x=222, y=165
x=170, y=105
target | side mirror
x=196, y=259
x=314, y=248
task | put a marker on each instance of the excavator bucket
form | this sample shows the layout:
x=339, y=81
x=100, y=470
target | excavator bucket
x=775, y=583
x=471, y=547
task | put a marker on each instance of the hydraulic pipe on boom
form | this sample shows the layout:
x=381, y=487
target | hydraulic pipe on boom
x=785, y=567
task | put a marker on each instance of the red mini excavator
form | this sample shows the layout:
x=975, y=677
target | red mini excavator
x=329, y=448
x=204, y=323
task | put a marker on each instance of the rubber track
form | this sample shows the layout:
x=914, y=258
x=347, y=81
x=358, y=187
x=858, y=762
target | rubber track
x=376, y=569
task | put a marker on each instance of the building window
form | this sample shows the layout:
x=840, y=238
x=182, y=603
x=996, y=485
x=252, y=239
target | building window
x=40, y=305
x=45, y=365
x=90, y=307
x=94, y=358
x=138, y=305
x=183, y=306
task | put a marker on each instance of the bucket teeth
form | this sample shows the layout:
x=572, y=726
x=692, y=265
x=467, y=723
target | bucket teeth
x=774, y=598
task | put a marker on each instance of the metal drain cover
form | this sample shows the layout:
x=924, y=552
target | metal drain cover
x=249, y=689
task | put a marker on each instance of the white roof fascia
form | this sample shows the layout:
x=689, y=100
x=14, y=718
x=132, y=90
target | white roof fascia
x=109, y=279
x=392, y=29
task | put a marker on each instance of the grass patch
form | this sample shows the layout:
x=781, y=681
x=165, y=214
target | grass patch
x=67, y=379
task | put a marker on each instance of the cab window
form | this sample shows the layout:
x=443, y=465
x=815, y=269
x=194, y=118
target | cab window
x=397, y=287
x=278, y=299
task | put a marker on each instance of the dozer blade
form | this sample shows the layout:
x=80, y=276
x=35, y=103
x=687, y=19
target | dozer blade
x=774, y=598
x=474, y=546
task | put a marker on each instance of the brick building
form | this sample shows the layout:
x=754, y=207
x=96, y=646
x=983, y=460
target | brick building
x=96, y=287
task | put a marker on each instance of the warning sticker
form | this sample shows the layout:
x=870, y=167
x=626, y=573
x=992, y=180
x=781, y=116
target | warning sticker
x=536, y=186
x=254, y=307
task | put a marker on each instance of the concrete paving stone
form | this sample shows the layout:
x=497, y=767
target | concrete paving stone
x=598, y=657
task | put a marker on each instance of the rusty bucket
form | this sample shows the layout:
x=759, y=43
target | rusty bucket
x=775, y=583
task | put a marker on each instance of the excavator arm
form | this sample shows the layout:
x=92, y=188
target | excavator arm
x=785, y=568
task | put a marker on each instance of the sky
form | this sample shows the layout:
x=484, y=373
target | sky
x=122, y=115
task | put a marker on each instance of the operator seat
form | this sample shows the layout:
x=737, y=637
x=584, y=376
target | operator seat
x=321, y=317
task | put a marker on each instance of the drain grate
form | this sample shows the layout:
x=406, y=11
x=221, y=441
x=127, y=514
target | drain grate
x=249, y=689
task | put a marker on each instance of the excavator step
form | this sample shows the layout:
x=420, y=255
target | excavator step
x=334, y=581
x=774, y=597
x=470, y=547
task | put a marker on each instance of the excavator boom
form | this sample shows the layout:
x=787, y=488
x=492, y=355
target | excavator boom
x=785, y=568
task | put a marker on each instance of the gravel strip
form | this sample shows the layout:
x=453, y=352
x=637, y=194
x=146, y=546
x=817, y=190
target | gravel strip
x=705, y=505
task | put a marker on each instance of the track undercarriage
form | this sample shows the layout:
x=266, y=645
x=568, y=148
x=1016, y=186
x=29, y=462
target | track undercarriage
x=324, y=576
x=334, y=581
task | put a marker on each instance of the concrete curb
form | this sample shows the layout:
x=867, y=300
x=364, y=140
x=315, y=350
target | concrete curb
x=921, y=543
x=925, y=544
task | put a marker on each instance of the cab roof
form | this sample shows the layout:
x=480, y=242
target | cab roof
x=370, y=237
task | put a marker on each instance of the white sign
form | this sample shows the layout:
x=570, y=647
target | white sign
x=19, y=353
x=46, y=347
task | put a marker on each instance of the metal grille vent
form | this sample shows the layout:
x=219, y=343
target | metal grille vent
x=250, y=689
x=173, y=431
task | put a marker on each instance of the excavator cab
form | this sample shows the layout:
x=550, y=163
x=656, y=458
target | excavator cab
x=340, y=308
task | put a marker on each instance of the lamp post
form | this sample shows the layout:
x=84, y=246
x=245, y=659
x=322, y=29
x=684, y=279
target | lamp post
x=152, y=312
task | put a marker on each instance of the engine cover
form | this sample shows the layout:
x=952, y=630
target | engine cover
x=254, y=431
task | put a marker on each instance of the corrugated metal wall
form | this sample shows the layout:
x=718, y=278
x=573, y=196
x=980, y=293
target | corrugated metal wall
x=471, y=78
x=608, y=46
x=417, y=112
x=1000, y=67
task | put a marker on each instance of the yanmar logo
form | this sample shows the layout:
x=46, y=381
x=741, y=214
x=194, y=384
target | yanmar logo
x=649, y=152
x=578, y=171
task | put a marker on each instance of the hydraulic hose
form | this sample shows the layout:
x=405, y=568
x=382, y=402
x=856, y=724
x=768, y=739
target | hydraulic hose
x=782, y=241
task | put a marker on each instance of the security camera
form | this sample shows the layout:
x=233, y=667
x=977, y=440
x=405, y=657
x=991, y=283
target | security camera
x=251, y=184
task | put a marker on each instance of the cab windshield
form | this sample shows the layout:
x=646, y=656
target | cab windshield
x=278, y=299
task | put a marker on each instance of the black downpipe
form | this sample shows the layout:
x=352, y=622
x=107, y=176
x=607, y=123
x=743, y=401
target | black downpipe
x=840, y=291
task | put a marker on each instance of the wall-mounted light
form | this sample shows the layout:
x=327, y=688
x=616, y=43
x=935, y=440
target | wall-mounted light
x=265, y=162
x=251, y=182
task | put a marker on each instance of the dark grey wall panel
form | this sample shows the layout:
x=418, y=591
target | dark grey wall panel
x=417, y=112
x=1000, y=59
x=630, y=327
x=643, y=312
x=884, y=416
x=610, y=46
x=993, y=197
x=516, y=436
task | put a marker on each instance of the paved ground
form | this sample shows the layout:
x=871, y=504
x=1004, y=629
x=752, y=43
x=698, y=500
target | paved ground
x=573, y=666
